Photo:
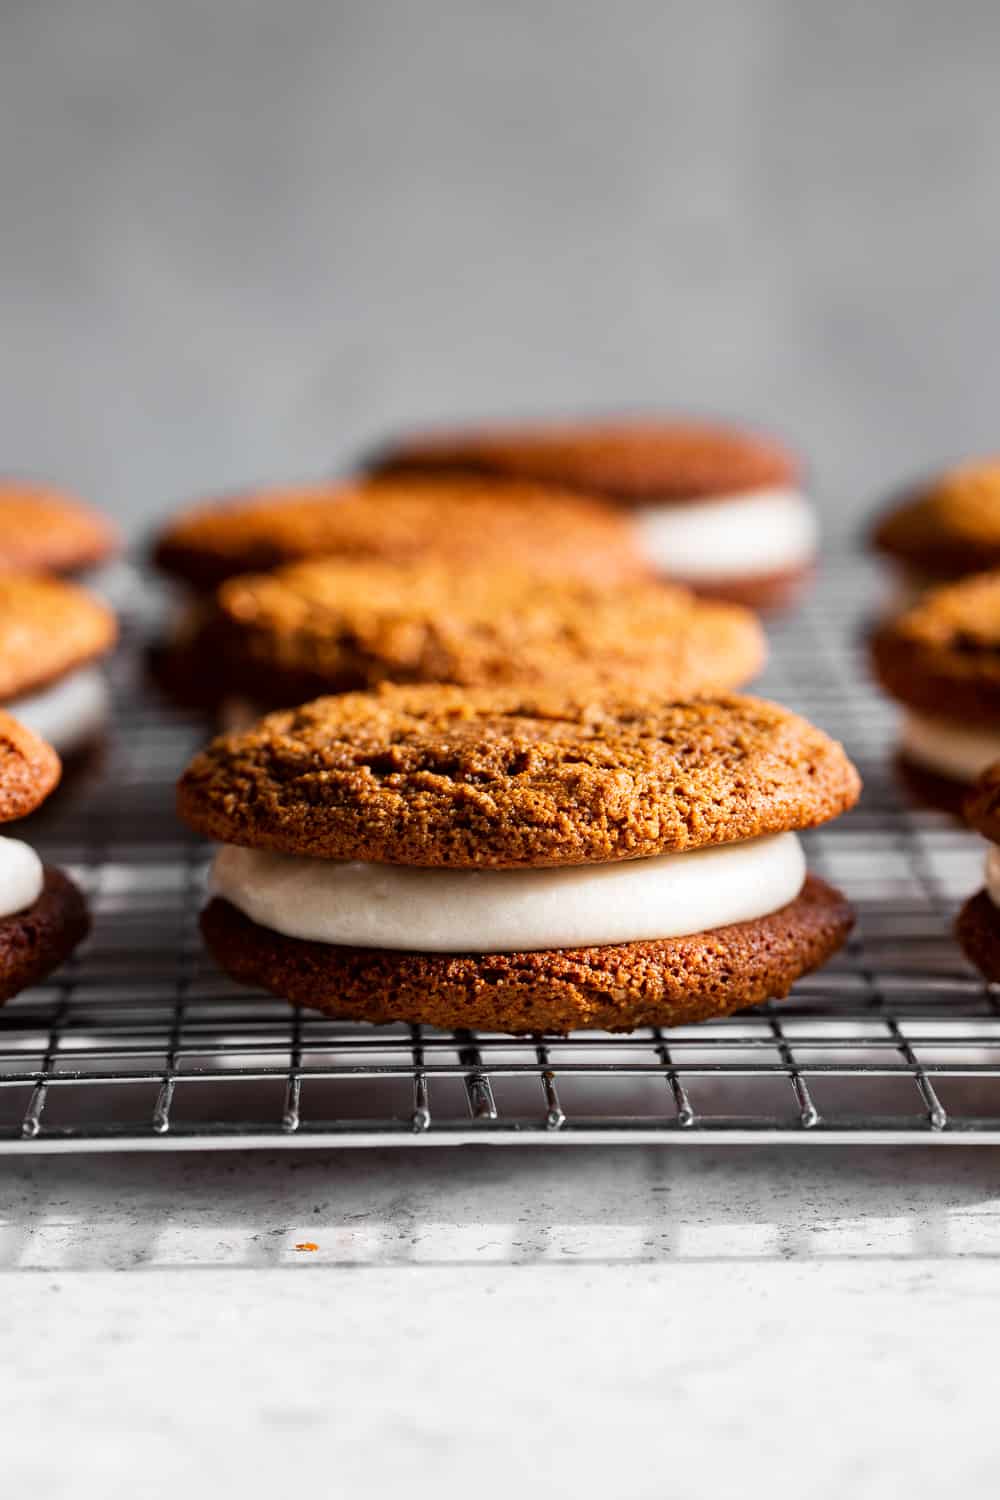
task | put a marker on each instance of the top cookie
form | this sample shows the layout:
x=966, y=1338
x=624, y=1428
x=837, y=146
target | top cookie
x=29, y=769
x=495, y=777
x=334, y=625
x=461, y=520
x=45, y=531
x=47, y=628
x=948, y=526
x=633, y=461
x=942, y=656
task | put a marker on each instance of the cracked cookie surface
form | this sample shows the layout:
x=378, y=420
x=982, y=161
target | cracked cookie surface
x=29, y=769
x=506, y=778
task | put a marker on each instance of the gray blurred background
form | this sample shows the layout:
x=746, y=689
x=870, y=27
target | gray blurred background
x=243, y=239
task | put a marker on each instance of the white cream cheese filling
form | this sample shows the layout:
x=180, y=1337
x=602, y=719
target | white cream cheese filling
x=730, y=536
x=508, y=911
x=68, y=713
x=953, y=750
x=21, y=877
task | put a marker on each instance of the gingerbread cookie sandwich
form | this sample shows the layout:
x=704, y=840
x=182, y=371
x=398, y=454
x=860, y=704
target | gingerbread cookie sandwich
x=520, y=862
x=463, y=521
x=43, y=530
x=336, y=625
x=42, y=914
x=713, y=506
x=940, y=660
x=944, y=528
x=52, y=636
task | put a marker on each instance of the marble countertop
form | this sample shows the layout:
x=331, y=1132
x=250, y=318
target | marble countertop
x=638, y=1321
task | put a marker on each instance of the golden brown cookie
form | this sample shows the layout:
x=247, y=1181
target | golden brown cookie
x=45, y=531
x=669, y=475
x=48, y=627
x=337, y=625
x=36, y=941
x=947, y=526
x=462, y=521
x=942, y=656
x=616, y=988
x=497, y=777
x=632, y=461
x=29, y=769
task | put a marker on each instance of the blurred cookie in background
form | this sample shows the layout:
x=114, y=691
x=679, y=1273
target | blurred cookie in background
x=463, y=520
x=940, y=659
x=52, y=636
x=714, y=506
x=43, y=530
x=338, y=625
x=943, y=528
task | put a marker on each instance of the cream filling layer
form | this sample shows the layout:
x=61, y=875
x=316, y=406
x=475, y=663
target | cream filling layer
x=510, y=911
x=68, y=713
x=730, y=536
x=948, y=749
x=21, y=877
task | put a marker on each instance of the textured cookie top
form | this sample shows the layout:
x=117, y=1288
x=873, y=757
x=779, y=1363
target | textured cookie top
x=47, y=627
x=29, y=769
x=330, y=625
x=44, y=531
x=943, y=655
x=948, y=526
x=982, y=806
x=628, y=460
x=462, y=520
x=474, y=777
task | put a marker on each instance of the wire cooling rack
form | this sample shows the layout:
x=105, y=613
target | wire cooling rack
x=141, y=1043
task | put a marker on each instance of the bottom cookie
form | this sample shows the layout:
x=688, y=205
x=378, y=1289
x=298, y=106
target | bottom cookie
x=36, y=941
x=665, y=983
x=977, y=928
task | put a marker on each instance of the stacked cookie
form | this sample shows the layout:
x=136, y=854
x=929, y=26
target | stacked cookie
x=335, y=625
x=42, y=914
x=940, y=659
x=52, y=637
x=520, y=861
x=535, y=815
x=716, y=507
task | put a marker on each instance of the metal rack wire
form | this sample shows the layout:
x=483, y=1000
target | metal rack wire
x=140, y=1044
